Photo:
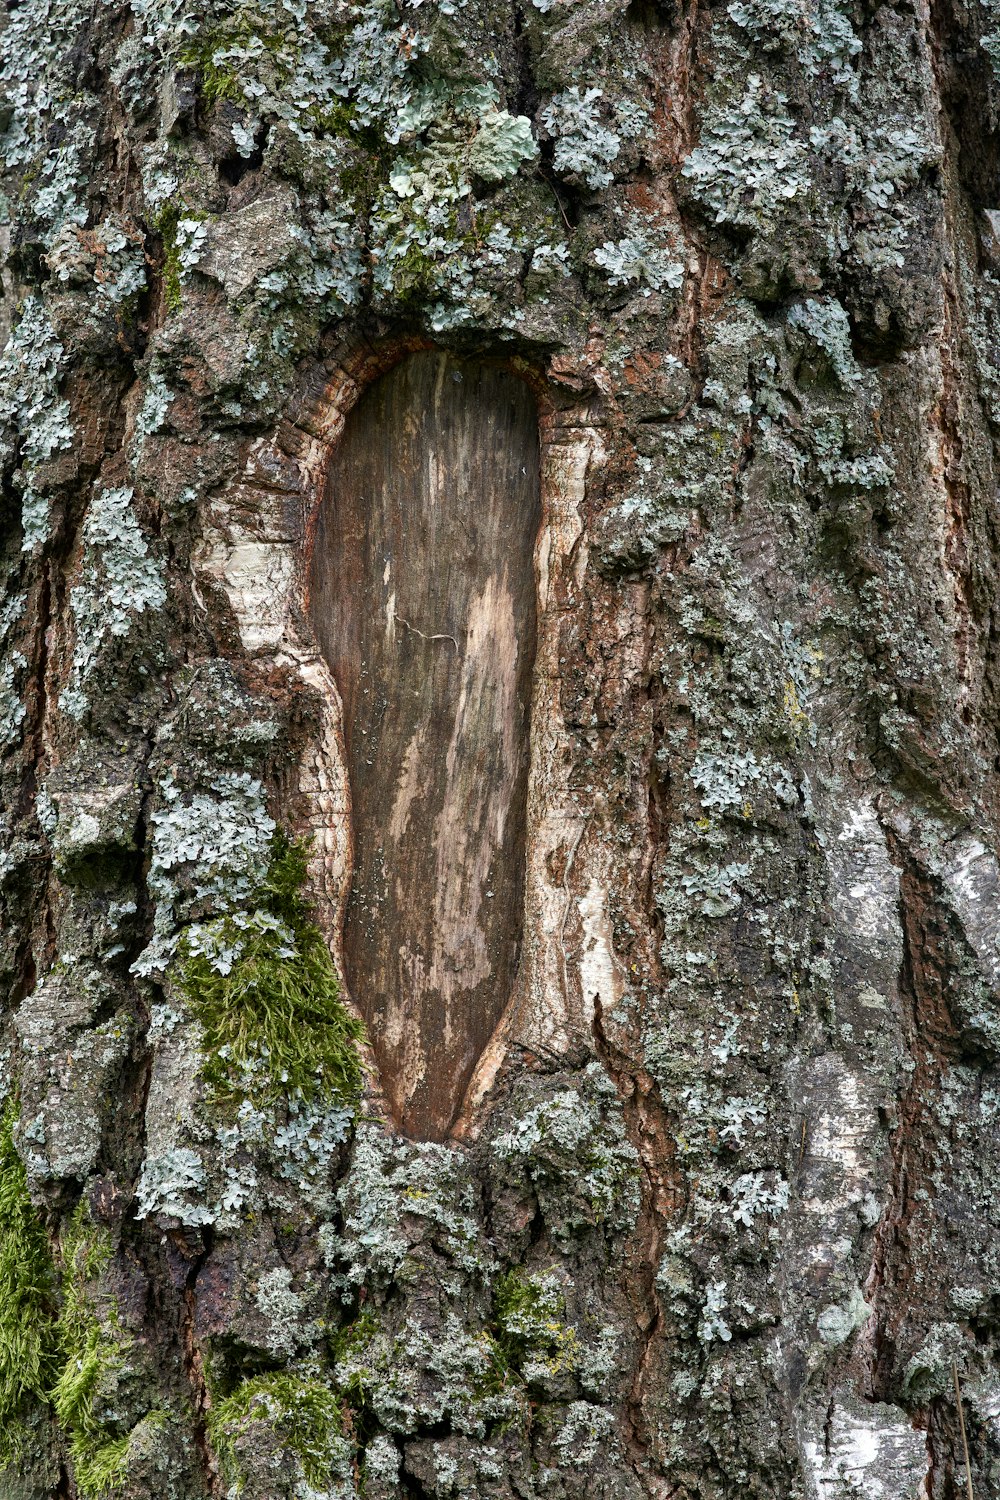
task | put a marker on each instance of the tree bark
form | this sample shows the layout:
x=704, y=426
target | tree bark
x=423, y=602
x=536, y=463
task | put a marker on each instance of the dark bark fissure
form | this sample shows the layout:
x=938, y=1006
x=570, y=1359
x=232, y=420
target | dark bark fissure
x=423, y=599
x=905, y=1285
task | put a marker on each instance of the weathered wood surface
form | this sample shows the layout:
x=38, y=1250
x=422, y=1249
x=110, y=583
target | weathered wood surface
x=423, y=600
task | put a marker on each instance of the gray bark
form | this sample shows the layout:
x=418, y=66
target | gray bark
x=684, y=1184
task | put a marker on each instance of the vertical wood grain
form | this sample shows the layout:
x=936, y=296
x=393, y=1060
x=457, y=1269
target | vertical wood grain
x=423, y=601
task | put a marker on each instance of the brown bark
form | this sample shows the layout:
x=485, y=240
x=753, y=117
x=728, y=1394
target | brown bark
x=423, y=600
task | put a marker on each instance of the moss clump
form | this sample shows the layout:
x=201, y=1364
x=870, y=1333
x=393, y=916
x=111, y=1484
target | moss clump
x=90, y=1353
x=303, y=1414
x=216, y=80
x=166, y=227
x=223, y=57
x=50, y=1359
x=266, y=994
x=101, y=1467
x=28, y=1355
x=531, y=1327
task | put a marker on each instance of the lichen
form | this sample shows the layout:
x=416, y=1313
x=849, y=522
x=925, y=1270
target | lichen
x=49, y=135
x=750, y=159
x=168, y=1182
x=585, y=147
x=210, y=852
x=819, y=35
x=33, y=413
x=530, y=1313
x=392, y=1179
x=120, y=580
x=640, y=258
x=573, y=1149
x=420, y=1375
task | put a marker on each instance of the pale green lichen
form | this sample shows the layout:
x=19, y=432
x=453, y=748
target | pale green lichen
x=640, y=259
x=990, y=39
x=32, y=411
x=529, y=1310
x=576, y=1155
x=107, y=261
x=819, y=34
x=585, y=1428
x=751, y=159
x=826, y=322
x=391, y=1178
x=120, y=580
x=171, y=1184
x=210, y=850
x=420, y=1376
x=48, y=136
x=585, y=147
x=713, y=1324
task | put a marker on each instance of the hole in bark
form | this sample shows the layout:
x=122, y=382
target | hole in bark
x=422, y=596
x=233, y=169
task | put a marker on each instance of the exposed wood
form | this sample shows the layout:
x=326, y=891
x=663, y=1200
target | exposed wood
x=423, y=600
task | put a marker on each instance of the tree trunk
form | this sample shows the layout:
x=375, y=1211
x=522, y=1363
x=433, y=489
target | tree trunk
x=500, y=544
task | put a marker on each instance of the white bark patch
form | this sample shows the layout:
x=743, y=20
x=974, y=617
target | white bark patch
x=870, y=1454
x=554, y=1000
x=839, y=1137
x=559, y=861
x=598, y=975
x=972, y=881
x=840, y=1145
x=250, y=552
x=257, y=578
x=866, y=884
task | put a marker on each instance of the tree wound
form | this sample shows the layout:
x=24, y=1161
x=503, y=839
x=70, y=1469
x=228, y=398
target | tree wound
x=423, y=601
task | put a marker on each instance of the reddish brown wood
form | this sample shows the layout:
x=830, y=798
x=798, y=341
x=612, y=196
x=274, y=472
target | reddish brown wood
x=423, y=600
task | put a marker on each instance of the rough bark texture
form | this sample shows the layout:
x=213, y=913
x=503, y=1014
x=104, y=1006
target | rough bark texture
x=719, y=1215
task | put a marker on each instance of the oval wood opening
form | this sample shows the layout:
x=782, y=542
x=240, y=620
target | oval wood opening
x=422, y=596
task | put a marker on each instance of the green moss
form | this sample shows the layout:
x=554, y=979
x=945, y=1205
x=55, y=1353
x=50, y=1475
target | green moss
x=351, y=1340
x=100, y=1468
x=28, y=1356
x=245, y=47
x=220, y=59
x=219, y=81
x=91, y=1351
x=45, y=1358
x=266, y=994
x=166, y=227
x=304, y=1414
x=496, y=1366
x=414, y=273
x=355, y=1359
x=529, y=1312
